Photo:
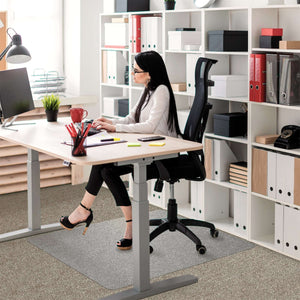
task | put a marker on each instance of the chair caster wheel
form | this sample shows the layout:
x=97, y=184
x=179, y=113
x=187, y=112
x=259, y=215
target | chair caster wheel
x=201, y=249
x=150, y=249
x=214, y=233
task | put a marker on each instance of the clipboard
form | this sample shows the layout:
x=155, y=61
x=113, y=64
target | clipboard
x=96, y=144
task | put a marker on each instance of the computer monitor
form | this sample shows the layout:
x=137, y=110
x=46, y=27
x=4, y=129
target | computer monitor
x=15, y=93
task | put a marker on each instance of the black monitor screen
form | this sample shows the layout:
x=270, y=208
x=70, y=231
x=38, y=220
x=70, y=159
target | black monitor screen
x=15, y=92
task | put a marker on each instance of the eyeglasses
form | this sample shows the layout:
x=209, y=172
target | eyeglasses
x=135, y=71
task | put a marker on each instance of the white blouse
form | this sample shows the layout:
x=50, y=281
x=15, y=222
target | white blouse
x=153, y=117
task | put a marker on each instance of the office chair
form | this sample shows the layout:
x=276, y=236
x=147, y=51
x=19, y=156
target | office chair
x=190, y=166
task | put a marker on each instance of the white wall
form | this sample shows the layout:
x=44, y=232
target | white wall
x=81, y=53
x=72, y=46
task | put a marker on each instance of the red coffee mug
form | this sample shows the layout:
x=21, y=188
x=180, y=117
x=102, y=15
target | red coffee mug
x=78, y=114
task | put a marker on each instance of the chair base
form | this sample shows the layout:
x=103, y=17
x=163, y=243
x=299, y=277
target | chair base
x=172, y=223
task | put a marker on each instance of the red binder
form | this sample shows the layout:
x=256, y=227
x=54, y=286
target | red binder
x=136, y=33
x=260, y=78
x=252, y=78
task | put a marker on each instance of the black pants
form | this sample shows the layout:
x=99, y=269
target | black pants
x=110, y=174
x=179, y=167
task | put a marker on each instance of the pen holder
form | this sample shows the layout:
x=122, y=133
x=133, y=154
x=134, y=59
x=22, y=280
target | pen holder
x=78, y=146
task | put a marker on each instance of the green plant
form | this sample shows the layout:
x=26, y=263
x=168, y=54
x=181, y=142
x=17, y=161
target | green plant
x=51, y=102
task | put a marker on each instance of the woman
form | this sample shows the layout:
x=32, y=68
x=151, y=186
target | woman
x=154, y=113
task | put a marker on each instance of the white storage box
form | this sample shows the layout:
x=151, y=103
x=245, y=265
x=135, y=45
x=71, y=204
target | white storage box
x=111, y=106
x=116, y=35
x=108, y=6
x=178, y=39
x=229, y=85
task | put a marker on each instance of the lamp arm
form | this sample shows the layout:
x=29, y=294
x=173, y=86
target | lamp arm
x=6, y=50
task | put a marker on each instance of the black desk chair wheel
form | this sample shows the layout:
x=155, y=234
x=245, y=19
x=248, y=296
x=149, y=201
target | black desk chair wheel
x=188, y=166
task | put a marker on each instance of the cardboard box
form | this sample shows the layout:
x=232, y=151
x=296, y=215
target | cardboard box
x=228, y=40
x=178, y=39
x=266, y=139
x=120, y=20
x=229, y=85
x=179, y=87
x=289, y=45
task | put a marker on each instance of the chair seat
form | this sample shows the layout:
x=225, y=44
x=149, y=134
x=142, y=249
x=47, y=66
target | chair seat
x=183, y=167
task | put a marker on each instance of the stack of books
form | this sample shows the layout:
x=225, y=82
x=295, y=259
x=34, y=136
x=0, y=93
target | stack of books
x=238, y=173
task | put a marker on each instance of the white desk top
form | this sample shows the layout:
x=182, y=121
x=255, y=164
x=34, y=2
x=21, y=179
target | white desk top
x=47, y=137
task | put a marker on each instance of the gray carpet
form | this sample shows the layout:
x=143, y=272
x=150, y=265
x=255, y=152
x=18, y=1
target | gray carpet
x=96, y=256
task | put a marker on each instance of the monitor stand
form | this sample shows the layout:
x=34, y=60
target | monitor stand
x=6, y=124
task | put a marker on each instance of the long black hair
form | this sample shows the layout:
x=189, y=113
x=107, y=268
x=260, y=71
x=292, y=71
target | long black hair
x=152, y=62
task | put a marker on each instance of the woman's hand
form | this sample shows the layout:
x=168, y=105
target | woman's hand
x=103, y=123
x=102, y=119
x=107, y=126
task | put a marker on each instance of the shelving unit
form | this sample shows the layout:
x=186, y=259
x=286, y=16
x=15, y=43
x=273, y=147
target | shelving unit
x=213, y=200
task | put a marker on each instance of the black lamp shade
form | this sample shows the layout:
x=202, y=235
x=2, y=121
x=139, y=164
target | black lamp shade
x=18, y=53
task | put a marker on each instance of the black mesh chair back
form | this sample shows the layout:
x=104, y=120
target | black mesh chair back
x=187, y=166
x=196, y=122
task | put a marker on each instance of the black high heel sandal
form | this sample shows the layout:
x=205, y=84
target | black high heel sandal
x=65, y=223
x=125, y=244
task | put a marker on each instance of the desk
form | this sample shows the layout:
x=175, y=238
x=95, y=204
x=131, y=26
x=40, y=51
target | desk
x=46, y=137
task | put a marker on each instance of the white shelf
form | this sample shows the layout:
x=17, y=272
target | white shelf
x=274, y=200
x=228, y=185
x=281, y=6
x=130, y=13
x=122, y=86
x=271, y=147
x=234, y=99
x=184, y=51
x=275, y=50
x=291, y=107
x=245, y=53
x=114, y=49
x=242, y=140
x=184, y=94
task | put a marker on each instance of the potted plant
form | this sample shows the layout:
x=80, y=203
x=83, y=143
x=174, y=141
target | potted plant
x=169, y=4
x=51, y=104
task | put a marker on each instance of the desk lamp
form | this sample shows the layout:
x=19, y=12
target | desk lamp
x=16, y=53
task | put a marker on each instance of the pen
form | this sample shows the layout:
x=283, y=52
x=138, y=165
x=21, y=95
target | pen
x=107, y=140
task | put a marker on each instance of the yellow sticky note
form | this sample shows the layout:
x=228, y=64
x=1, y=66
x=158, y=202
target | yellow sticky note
x=133, y=144
x=157, y=144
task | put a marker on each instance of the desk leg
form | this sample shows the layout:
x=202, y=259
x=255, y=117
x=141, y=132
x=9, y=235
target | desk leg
x=141, y=277
x=33, y=194
x=140, y=229
x=34, y=203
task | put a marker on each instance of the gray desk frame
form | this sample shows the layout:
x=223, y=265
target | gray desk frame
x=141, y=278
